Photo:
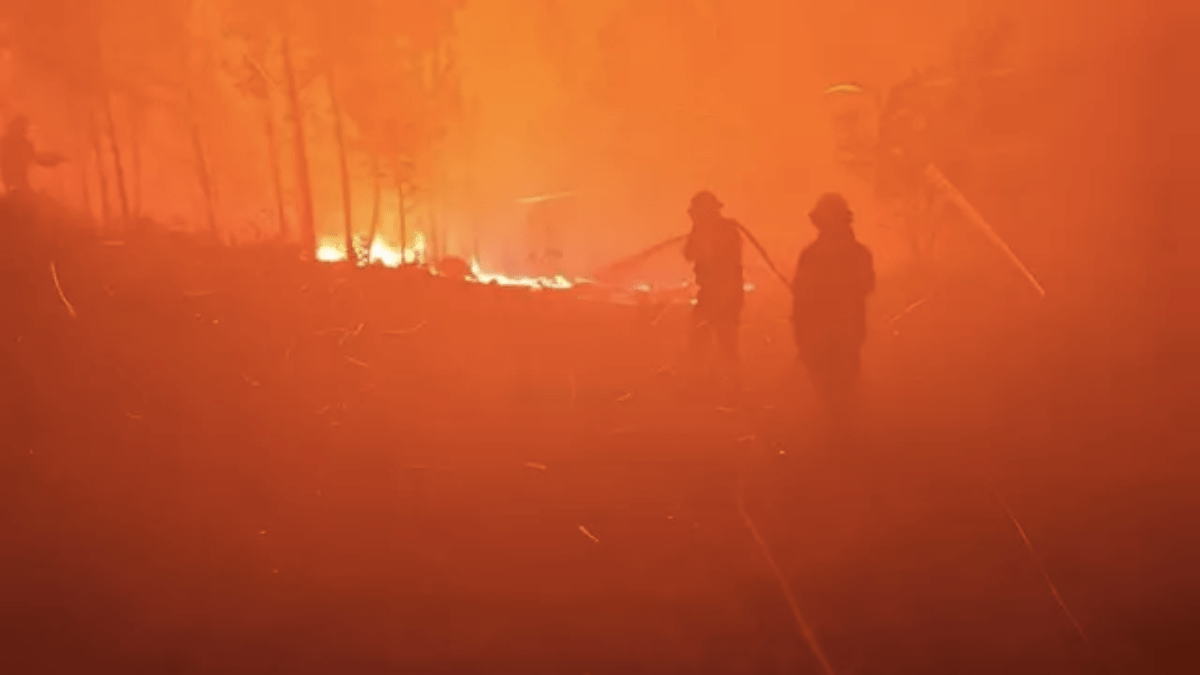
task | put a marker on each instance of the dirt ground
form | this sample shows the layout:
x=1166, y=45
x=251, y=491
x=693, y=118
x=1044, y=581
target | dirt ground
x=227, y=462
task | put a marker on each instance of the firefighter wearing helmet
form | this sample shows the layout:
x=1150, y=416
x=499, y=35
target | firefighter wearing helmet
x=834, y=276
x=18, y=155
x=714, y=247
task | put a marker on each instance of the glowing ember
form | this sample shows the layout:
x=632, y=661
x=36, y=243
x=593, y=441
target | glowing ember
x=333, y=250
x=557, y=282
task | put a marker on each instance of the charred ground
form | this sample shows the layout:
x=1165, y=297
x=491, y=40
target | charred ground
x=228, y=461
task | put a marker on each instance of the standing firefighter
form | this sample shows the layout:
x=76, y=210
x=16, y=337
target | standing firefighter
x=834, y=276
x=17, y=155
x=714, y=246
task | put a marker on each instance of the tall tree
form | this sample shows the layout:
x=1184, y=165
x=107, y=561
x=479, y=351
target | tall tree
x=62, y=41
x=259, y=25
x=256, y=82
x=162, y=63
x=405, y=90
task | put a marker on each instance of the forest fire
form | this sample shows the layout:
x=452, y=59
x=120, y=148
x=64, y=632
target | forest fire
x=333, y=251
x=406, y=336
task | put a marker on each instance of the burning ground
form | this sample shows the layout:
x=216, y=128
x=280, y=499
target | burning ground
x=222, y=461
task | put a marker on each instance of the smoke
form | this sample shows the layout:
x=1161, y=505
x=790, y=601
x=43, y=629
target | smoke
x=637, y=105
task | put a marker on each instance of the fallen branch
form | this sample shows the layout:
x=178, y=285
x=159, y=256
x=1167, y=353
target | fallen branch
x=406, y=331
x=1042, y=568
x=805, y=631
x=61, y=296
x=587, y=534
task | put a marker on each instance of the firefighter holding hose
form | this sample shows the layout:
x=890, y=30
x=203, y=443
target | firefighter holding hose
x=18, y=155
x=714, y=247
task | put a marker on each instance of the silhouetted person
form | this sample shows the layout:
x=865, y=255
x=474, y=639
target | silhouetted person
x=834, y=276
x=714, y=246
x=17, y=156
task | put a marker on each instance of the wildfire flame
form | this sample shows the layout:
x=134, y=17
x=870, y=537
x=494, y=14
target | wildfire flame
x=332, y=250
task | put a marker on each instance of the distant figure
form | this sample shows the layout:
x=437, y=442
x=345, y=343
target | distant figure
x=834, y=276
x=714, y=246
x=17, y=155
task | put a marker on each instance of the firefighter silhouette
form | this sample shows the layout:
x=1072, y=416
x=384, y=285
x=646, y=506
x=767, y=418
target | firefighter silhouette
x=834, y=276
x=714, y=247
x=18, y=155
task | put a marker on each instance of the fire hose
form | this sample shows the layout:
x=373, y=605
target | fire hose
x=766, y=258
x=636, y=259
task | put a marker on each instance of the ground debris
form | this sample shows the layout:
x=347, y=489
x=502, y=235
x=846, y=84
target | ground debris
x=587, y=534
x=407, y=331
x=351, y=334
x=658, y=317
x=61, y=296
x=356, y=362
x=802, y=624
x=625, y=397
x=892, y=322
x=1037, y=560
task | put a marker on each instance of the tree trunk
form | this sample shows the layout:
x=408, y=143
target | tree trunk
x=102, y=175
x=118, y=168
x=202, y=172
x=135, y=156
x=375, y=206
x=308, y=231
x=403, y=214
x=202, y=169
x=435, y=241
x=86, y=190
x=340, y=131
x=276, y=173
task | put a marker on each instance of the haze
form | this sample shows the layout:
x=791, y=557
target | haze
x=361, y=337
